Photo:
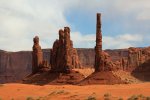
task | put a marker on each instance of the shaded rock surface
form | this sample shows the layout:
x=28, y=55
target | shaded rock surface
x=38, y=63
x=14, y=66
x=142, y=72
x=103, y=77
x=37, y=55
x=63, y=56
x=73, y=77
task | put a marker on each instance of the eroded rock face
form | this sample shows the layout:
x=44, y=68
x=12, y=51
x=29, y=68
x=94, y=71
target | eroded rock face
x=44, y=67
x=102, y=59
x=63, y=56
x=134, y=57
x=38, y=64
x=37, y=55
x=15, y=66
x=142, y=71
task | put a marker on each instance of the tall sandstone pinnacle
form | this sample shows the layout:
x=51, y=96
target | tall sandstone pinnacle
x=37, y=55
x=102, y=59
x=63, y=56
x=98, y=47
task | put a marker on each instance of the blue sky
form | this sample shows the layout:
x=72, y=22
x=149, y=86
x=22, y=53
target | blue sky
x=125, y=23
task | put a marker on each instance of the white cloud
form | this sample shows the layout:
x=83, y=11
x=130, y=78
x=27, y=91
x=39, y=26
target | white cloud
x=21, y=20
x=116, y=42
x=83, y=41
x=144, y=15
x=130, y=37
x=122, y=41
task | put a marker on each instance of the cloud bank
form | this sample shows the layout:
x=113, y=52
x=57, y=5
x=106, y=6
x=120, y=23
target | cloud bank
x=125, y=23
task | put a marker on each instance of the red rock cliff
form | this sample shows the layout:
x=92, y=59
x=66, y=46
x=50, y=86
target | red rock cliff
x=16, y=65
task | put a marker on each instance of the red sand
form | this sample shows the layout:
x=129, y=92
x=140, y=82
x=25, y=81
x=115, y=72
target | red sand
x=71, y=92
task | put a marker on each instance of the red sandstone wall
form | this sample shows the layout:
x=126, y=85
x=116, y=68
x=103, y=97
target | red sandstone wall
x=16, y=65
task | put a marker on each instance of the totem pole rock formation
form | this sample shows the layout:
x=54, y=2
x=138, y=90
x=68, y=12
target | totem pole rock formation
x=63, y=56
x=38, y=64
x=103, y=64
x=102, y=59
x=37, y=55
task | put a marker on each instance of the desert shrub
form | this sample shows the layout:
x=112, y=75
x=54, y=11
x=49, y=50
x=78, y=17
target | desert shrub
x=147, y=98
x=138, y=97
x=58, y=92
x=107, y=96
x=29, y=98
x=91, y=98
x=134, y=97
x=141, y=96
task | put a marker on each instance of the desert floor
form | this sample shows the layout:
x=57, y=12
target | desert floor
x=13, y=91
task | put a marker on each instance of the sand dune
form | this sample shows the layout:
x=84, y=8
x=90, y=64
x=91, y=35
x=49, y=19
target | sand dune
x=71, y=92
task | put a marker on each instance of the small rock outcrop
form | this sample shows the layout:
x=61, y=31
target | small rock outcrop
x=63, y=56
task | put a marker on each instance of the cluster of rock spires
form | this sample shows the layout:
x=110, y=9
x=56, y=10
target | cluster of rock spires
x=63, y=58
x=103, y=63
